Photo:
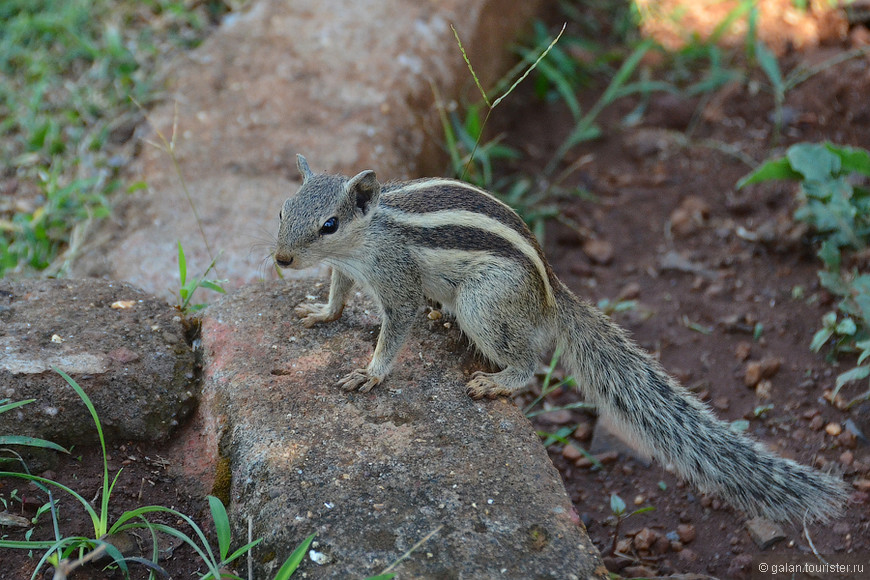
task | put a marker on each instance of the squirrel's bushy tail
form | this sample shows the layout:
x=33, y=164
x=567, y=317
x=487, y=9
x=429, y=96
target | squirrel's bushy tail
x=661, y=417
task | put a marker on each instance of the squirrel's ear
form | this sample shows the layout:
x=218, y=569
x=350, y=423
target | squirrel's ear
x=365, y=189
x=302, y=166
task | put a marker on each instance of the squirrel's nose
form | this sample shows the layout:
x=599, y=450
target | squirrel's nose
x=284, y=262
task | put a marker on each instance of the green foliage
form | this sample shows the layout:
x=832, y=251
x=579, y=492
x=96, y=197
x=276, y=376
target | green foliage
x=66, y=553
x=563, y=434
x=780, y=84
x=68, y=72
x=189, y=287
x=549, y=385
x=292, y=563
x=472, y=159
x=619, y=87
x=836, y=204
x=560, y=70
x=618, y=508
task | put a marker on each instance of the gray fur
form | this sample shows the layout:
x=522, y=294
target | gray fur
x=452, y=243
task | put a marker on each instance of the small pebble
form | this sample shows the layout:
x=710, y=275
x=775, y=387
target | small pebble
x=644, y=539
x=599, y=251
x=583, y=432
x=817, y=423
x=639, y=572
x=686, y=533
x=571, y=453
x=846, y=458
x=688, y=556
x=833, y=429
x=764, y=533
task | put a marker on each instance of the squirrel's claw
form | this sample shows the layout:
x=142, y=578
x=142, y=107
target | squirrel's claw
x=481, y=385
x=313, y=312
x=358, y=380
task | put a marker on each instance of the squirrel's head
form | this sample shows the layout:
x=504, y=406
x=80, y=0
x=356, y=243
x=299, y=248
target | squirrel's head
x=326, y=218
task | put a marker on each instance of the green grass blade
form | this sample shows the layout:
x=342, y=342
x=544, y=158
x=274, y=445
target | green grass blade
x=241, y=551
x=736, y=14
x=770, y=66
x=67, y=544
x=115, y=554
x=221, y=525
x=562, y=84
x=121, y=524
x=292, y=562
x=586, y=128
x=852, y=159
x=644, y=87
x=530, y=69
x=450, y=141
x=625, y=71
x=470, y=68
x=182, y=266
x=205, y=556
x=213, y=285
x=9, y=406
x=104, y=503
x=27, y=544
x=30, y=442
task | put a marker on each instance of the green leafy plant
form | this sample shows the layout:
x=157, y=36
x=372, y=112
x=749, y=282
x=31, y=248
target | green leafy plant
x=620, y=513
x=619, y=87
x=836, y=204
x=189, y=287
x=67, y=553
x=781, y=84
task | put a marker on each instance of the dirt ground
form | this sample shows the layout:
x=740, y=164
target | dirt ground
x=723, y=279
x=725, y=284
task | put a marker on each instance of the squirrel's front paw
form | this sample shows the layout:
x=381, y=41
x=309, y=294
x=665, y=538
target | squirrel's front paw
x=481, y=385
x=313, y=312
x=358, y=380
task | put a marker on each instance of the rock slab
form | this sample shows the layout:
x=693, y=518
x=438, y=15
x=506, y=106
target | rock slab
x=374, y=474
x=125, y=348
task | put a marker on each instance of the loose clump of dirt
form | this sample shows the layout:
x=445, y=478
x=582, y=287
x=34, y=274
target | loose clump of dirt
x=728, y=298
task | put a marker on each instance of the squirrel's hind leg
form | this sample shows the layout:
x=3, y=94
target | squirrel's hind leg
x=505, y=328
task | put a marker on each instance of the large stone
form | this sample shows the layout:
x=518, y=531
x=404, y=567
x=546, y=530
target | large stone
x=125, y=348
x=374, y=474
x=348, y=84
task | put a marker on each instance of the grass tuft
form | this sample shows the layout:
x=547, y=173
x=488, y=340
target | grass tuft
x=69, y=72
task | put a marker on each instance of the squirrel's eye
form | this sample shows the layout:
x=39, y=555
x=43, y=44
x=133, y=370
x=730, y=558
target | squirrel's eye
x=281, y=215
x=330, y=226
